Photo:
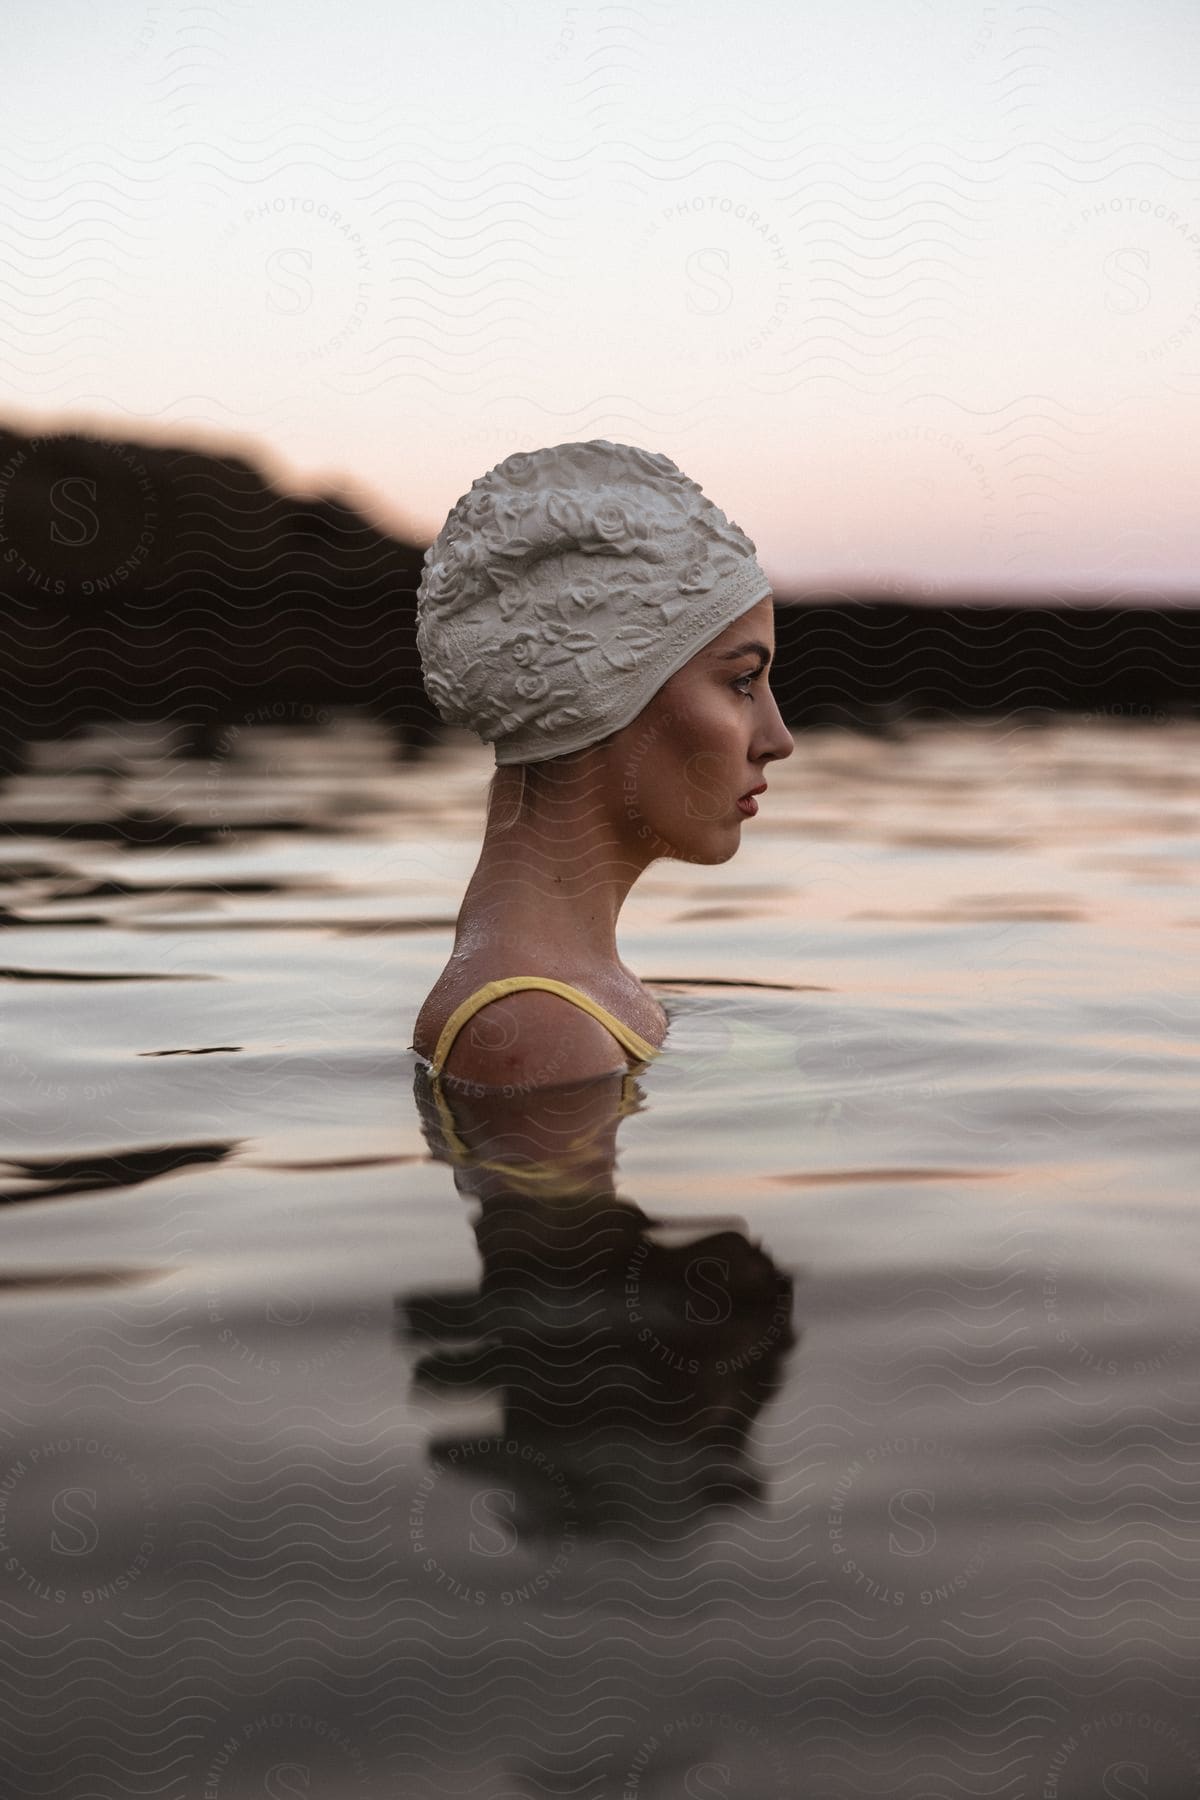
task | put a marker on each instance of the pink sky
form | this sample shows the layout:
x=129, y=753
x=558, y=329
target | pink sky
x=914, y=293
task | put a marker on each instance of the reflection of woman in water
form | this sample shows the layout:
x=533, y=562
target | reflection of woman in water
x=629, y=1356
x=590, y=613
x=635, y=1368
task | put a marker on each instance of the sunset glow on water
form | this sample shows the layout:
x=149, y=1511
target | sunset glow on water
x=925, y=1108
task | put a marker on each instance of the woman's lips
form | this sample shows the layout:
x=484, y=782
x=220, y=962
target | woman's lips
x=748, y=805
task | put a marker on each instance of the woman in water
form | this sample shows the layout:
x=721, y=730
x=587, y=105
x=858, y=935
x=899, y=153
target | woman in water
x=590, y=613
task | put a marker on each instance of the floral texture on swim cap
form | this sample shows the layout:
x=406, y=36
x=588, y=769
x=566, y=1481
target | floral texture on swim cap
x=567, y=587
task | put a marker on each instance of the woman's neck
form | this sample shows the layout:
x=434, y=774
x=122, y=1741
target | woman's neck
x=551, y=886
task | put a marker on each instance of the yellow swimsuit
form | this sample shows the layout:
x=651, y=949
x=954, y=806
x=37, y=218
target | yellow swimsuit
x=535, y=1180
x=636, y=1046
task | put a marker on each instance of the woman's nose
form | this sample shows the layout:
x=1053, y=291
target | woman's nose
x=779, y=740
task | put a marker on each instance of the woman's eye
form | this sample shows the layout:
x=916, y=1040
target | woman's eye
x=750, y=675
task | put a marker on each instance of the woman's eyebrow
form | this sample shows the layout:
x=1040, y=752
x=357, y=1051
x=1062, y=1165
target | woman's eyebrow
x=749, y=649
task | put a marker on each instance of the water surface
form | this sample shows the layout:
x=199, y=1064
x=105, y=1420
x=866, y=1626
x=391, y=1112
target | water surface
x=849, y=1445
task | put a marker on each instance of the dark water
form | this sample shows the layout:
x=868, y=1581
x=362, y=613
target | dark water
x=827, y=1424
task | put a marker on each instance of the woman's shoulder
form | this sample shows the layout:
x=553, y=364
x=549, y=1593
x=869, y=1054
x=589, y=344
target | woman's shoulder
x=518, y=1034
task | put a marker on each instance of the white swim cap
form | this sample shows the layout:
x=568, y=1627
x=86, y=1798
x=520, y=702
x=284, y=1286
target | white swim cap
x=567, y=587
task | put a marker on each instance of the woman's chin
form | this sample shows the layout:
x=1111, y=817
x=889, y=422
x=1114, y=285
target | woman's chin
x=708, y=842
x=709, y=853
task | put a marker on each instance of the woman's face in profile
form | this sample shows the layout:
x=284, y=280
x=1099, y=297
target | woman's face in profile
x=705, y=738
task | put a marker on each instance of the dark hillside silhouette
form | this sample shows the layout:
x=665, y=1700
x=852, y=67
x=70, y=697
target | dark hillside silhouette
x=143, y=580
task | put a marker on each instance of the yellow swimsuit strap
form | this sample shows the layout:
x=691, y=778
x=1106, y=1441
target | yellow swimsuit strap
x=629, y=1040
x=528, y=1177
